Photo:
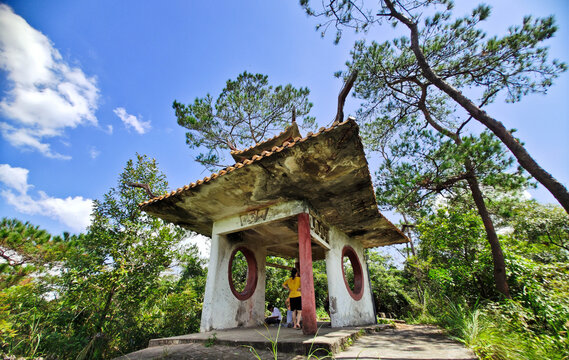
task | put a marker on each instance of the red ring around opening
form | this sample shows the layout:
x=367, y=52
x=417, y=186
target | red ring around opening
x=251, y=284
x=358, y=291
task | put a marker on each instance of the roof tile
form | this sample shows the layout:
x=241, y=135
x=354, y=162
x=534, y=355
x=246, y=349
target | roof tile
x=257, y=144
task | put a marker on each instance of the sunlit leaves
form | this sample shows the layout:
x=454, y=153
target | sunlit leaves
x=248, y=110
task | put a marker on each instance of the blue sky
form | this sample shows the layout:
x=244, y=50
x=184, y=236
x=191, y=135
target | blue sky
x=84, y=85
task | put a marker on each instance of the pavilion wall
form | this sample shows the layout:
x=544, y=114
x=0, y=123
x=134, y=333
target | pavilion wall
x=344, y=309
x=221, y=309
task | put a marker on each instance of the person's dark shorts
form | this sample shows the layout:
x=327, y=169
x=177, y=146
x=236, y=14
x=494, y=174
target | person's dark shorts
x=296, y=303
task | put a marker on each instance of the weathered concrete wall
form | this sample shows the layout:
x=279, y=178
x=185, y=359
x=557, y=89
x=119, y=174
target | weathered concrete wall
x=221, y=309
x=344, y=310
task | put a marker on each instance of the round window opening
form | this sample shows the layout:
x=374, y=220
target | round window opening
x=353, y=274
x=242, y=273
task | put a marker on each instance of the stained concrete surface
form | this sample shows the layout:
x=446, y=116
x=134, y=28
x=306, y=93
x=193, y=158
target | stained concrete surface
x=404, y=342
x=407, y=342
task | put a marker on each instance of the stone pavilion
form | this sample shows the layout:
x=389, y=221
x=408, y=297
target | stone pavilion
x=308, y=198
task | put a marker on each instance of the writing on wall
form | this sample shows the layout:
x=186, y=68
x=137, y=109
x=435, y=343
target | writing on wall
x=254, y=216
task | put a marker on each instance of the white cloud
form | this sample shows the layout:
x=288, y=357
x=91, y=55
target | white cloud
x=110, y=129
x=14, y=177
x=74, y=212
x=94, y=153
x=132, y=121
x=45, y=95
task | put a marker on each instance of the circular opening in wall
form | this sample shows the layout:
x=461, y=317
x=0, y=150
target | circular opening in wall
x=348, y=272
x=242, y=273
x=352, y=271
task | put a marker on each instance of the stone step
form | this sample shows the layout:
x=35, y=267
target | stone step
x=327, y=340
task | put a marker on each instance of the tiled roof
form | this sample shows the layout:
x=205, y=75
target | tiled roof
x=275, y=149
x=236, y=152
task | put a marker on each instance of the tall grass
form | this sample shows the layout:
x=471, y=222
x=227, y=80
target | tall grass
x=490, y=337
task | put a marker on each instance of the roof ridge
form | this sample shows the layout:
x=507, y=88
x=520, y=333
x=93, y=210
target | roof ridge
x=235, y=152
x=254, y=158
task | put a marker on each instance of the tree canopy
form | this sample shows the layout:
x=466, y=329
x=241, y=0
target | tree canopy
x=452, y=59
x=247, y=111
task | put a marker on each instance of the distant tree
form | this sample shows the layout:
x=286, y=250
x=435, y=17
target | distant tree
x=25, y=250
x=117, y=265
x=247, y=111
x=535, y=223
x=30, y=260
x=451, y=57
x=388, y=285
x=459, y=259
x=421, y=167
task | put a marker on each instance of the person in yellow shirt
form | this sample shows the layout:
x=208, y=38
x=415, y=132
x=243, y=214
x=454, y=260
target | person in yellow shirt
x=292, y=284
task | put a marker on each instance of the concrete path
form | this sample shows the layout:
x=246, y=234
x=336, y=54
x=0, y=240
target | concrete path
x=197, y=351
x=405, y=342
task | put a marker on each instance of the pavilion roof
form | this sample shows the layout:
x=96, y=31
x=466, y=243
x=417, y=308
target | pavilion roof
x=327, y=169
x=289, y=134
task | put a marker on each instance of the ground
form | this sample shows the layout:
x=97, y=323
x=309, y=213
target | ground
x=403, y=342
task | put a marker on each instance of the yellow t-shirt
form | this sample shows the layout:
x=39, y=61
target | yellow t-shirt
x=293, y=285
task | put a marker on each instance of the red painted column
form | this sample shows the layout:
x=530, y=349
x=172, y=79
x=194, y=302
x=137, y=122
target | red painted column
x=309, y=325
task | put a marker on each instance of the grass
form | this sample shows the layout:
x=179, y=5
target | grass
x=493, y=338
x=312, y=353
x=211, y=340
x=269, y=337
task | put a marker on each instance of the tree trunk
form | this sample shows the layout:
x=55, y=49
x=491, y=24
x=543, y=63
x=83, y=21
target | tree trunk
x=101, y=322
x=418, y=272
x=524, y=158
x=497, y=254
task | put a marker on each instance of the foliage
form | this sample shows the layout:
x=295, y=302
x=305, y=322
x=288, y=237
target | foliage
x=447, y=61
x=421, y=166
x=454, y=47
x=116, y=266
x=104, y=293
x=27, y=250
x=540, y=225
x=320, y=283
x=32, y=259
x=492, y=332
x=533, y=324
x=274, y=292
x=387, y=284
x=246, y=112
x=239, y=271
x=413, y=121
x=459, y=260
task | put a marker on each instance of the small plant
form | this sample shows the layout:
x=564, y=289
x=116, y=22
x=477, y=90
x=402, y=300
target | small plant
x=274, y=343
x=274, y=347
x=165, y=352
x=385, y=321
x=211, y=340
x=312, y=352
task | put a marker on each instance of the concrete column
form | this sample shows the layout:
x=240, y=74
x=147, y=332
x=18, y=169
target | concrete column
x=218, y=248
x=221, y=309
x=309, y=325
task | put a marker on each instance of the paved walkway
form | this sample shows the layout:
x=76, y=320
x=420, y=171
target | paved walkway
x=405, y=342
x=198, y=351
